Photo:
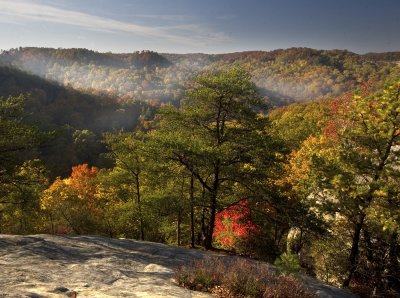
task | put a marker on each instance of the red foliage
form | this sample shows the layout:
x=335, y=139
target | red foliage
x=366, y=89
x=234, y=224
x=338, y=105
x=331, y=130
x=334, y=106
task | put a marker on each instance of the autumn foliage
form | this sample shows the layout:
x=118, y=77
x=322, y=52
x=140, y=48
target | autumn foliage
x=82, y=180
x=234, y=225
x=239, y=278
x=72, y=201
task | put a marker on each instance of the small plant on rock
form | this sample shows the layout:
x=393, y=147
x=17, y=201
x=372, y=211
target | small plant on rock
x=288, y=263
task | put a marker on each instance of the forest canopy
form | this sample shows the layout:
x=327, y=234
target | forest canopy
x=204, y=150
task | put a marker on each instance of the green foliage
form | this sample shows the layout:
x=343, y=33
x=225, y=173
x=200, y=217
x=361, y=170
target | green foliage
x=330, y=254
x=218, y=136
x=288, y=263
x=128, y=152
x=22, y=177
x=16, y=137
x=20, y=198
x=68, y=112
x=297, y=122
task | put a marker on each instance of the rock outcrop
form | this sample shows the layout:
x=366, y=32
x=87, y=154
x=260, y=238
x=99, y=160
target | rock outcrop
x=91, y=266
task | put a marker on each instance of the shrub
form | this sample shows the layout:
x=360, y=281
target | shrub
x=234, y=227
x=202, y=275
x=239, y=278
x=287, y=286
x=288, y=263
x=245, y=279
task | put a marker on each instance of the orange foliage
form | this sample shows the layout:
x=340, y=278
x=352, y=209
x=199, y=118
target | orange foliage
x=81, y=175
x=83, y=171
x=82, y=180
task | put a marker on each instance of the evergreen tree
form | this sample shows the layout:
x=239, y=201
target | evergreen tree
x=218, y=135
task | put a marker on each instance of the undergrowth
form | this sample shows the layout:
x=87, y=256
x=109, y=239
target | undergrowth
x=239, y=278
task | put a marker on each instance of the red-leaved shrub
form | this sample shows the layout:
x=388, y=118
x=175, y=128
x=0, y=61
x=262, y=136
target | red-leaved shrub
x=233, y=226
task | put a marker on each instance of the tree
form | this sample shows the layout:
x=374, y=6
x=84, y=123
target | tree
x=20, y=178
x=20, y=198
x=351, y=168
x=169, y=201
x=296, y=122
x=217, y=135
x=87, y=146
x=152, y=188
x=16, y=137
x=128, y=152
x=71, y=204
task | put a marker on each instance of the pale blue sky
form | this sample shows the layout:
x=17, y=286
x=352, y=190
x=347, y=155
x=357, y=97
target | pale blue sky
x=208, y=26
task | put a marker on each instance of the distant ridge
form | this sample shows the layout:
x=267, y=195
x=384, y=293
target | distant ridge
x=283, y=75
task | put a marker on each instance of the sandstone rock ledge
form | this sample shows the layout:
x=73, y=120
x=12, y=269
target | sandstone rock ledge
x=90, y=266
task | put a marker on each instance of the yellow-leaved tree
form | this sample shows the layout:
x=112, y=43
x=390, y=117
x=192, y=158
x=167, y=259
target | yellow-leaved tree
x=350, y=174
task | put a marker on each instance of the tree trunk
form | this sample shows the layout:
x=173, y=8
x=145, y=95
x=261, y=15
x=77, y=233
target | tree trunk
x=192, y=211
x=178, y=229
x=199, y=238
x=213, y=205
x=369, y=252
x=139, y=206
x=211, y=223
x=394, y=266
x=377, y=264
x=53, y=229
x=203, y=223
x=353, y=258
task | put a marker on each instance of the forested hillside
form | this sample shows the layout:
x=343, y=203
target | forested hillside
x=75, y=118
x=205, y=150
x=297, y=74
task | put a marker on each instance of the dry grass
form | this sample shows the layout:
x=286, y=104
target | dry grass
x=239, y=278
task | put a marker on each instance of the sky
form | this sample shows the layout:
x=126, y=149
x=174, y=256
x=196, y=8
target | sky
x=206, y=26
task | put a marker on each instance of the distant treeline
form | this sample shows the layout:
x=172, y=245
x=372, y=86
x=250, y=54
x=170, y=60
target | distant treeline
x=284, y=76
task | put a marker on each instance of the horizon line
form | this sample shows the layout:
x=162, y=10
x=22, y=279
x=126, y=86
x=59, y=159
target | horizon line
x=194, y=53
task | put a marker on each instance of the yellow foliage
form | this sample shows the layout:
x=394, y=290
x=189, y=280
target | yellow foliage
x=249, y=167
x=380, y=193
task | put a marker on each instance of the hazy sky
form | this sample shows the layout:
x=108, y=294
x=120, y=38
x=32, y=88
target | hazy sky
x=208, y=26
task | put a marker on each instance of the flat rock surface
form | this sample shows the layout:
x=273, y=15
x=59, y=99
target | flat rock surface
x=90, y=266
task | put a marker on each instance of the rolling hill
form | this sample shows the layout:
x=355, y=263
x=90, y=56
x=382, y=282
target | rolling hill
x=295, y=74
